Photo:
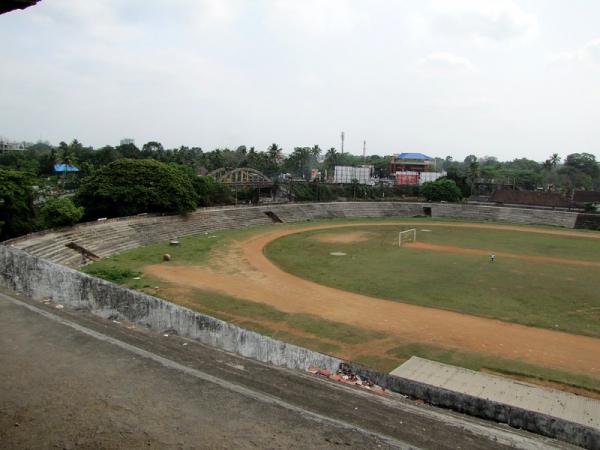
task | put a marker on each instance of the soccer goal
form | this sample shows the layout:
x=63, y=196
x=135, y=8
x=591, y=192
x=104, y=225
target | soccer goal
x=407, y=236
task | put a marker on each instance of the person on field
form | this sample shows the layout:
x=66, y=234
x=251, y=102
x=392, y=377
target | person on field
x=492, y=257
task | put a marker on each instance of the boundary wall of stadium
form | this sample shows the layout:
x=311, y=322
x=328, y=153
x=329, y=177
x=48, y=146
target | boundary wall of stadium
x=40, y=278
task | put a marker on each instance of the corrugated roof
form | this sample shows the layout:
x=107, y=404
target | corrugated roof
x=412, y=156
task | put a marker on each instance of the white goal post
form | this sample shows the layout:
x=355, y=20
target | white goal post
x=407, y=235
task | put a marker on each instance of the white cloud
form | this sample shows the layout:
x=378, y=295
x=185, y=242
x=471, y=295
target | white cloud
x=588, y=54
x=444, y=63
x=483, y=20
x=316, y=16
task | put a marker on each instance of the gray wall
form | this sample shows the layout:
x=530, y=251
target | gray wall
x=41, y=279
x=116, y=235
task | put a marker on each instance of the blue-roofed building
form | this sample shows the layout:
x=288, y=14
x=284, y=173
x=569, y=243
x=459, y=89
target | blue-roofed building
x=410, y=162
x=62, y=168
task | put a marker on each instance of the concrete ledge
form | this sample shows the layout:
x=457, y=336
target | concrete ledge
x=533, y=421
x=41, y=279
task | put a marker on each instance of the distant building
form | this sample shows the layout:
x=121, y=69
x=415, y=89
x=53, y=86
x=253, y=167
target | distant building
x=412, y=177
x=127, y=141
x=349, y=174
x=410, y=162
x=9, y=146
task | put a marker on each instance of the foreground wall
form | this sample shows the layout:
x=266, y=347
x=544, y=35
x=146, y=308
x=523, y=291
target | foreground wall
x=41, y=279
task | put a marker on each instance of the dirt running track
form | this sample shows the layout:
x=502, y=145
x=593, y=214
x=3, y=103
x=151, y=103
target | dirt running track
x=243, y=271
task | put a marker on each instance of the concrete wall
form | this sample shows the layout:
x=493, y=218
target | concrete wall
x=503, y=214
x=42, y=279
x=533, y=421
x=588, y=221
x=117, y=235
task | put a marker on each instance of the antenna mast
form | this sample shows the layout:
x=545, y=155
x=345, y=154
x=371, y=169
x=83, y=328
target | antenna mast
x=364, y=151
x=343, y=142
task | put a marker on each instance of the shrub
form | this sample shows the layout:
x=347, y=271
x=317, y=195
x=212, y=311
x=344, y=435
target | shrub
x=130, y=186
x=59, y=212
x=17, y=214
x=442, y=190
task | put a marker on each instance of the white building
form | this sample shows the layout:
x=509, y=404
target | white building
x=347, y=175
x=9, y=146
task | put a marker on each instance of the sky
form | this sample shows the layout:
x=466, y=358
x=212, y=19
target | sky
x=503, y=78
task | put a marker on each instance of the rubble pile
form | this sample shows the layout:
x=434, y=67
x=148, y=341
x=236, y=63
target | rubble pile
x=345, y=375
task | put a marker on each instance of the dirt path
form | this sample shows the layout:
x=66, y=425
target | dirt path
x=243, y=271
x=479, y=252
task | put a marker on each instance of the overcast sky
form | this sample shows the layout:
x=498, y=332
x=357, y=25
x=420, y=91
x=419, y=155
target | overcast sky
x=450, y=77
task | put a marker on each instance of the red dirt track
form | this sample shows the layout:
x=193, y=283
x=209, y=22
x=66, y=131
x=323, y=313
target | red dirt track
x=243, y=271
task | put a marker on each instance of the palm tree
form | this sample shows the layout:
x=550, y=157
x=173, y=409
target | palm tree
x=331, y=159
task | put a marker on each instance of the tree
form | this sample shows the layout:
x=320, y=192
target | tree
x=211, y=193
x=59, y=212
x=131, y=186
x=583, y=162
x=552, y=162
x=442, y=190
x=16, y=204
x=454, y=173
x=331, y=159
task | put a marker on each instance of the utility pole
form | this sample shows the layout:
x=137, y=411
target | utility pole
x=343, y=142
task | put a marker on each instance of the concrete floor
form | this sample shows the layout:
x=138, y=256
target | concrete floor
x=72, y=380
x=569, y=407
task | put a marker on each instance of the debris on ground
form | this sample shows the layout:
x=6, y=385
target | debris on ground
x=59, y=306
x=345, y=375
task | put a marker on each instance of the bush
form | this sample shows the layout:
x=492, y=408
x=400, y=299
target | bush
x=130, y=186
x=17, y=214
x=60, y=212
x=211, y=193
x=442, y=190
x=114, y=274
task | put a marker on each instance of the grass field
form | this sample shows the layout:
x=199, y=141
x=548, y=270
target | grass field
x=542, y=294
x=536, y=293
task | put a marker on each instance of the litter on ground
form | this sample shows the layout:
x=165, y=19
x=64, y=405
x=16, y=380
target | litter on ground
x=345, y=375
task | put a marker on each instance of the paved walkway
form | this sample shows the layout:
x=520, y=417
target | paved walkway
x=573, y=408
x=69, y=379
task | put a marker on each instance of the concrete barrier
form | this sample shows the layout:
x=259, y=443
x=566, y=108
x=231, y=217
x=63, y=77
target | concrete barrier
x=40, y=279
x=534, y=421
x=117, y=235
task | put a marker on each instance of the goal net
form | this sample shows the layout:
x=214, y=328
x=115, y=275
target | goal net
x=407, y=236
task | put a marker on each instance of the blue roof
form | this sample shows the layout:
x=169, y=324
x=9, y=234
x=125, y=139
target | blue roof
x=65, y=168
x=412, y=156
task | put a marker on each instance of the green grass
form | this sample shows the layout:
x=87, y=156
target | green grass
x=548, y=295
x=216, y=303
x=478, y=361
